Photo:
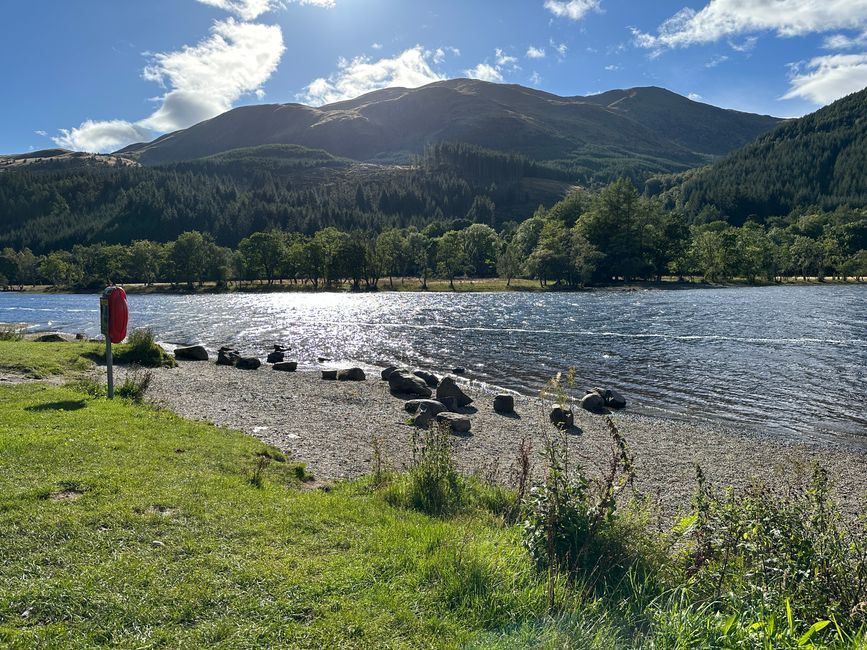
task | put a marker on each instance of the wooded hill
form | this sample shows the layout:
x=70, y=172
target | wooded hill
x=817, y=161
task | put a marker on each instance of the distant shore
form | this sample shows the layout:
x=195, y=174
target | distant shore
x=408, y=285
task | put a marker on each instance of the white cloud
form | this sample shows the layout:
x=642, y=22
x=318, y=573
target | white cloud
x=535, y=78
x=695, y=97
x=572, y=9
x=42, y=133
x=560, y=48
x=714, y=62
x=440, y=53
x=206, y=79
x=360, y=75
x=107, y=135
x=726, y=18
x=746, y=45
x=376, y=46
x=535, y=52
x=828, y=78
x=485, y=72
x=504, y=59
x=202, y=81
x=252, y=9
x=843, y=42
x=612, y=67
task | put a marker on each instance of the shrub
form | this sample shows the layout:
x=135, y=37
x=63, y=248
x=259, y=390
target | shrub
x=9, y=333
x=141, y=349
x=135, y=385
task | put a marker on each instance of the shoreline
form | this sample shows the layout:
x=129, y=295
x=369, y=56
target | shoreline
x=412, y=285
x=330, y=426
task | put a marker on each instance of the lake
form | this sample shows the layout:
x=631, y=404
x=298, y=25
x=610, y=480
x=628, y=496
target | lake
x=787, y=361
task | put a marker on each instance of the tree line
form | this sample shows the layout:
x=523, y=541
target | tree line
x=612, y=235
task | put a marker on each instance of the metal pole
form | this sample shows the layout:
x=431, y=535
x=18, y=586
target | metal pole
x=109, y=366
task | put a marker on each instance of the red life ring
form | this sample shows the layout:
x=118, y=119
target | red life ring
x=118, y=315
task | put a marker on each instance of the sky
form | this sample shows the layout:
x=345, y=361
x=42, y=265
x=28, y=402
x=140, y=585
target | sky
x=96, y=75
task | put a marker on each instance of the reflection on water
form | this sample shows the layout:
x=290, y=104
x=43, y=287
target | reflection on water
x=791, y=361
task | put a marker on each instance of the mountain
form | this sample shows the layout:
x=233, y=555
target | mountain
x=814, y=161
x=636, y=132
x=60, y=159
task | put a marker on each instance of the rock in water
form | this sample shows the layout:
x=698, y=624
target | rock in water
x=612, y=398
x=276, y=356
x=504, y=404
x=286, y=366
x=329, y=375
x=562, y=417
x=458, y=423
x=403, y=381
x=248, y=363
x=429, y=378
x=593, y=402
x=459, y=370
x=351, y=374
x=386, y=373
x=413, y=405
x=449, y=388
x=192, y=353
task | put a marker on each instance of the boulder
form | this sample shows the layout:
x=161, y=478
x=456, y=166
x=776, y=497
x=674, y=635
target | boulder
x=460, y=370
x=413, y=405
x=427, y=411
x=562, y=417
x=451, y=403
x=429, y=378
x=322, y=359
x=248, y=363
x=386, y=373
x=227, y=356
x=458, y=423
x=329, y=375
x=449, y=388
x=54, y=337
x=286, y=366
x=351, y=374
x=612, y=398
x=191, y=353
x=593, y=402
x=504, y=404
x=276, y=356
x=403, y=381
x=80, y=337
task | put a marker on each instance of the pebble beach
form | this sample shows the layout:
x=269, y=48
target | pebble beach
x=330, y=426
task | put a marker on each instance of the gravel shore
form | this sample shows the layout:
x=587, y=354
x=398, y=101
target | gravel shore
x=330, y=425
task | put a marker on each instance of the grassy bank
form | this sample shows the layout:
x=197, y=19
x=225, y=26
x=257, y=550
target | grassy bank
x=464, y=285
x=122, y=525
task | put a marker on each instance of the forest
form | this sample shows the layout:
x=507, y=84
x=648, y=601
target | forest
x=613, y=235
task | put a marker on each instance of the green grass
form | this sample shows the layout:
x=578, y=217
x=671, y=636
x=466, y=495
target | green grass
x=40, y=360
x=166, y=541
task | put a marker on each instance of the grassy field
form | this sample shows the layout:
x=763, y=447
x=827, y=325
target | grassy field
x=126, y=526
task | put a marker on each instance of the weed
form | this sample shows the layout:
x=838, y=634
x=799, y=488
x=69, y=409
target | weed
x=135, y=384
x=257, y=479
x=9, y=333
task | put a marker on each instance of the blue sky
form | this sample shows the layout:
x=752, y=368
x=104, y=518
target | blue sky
x=98, y=74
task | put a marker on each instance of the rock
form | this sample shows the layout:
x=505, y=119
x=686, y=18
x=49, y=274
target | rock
x=458, y=423
x=449, y=388
x=504, y=404
x=413, y=405
x=612, y=398
x=192, y=353
x=593, y=402
x=427, y=410
x=386, y=373
x=322, y=359
x=329, y=375
x=460, y=370
x=54, y=337
x=227, y=356
x=451, y=403
x=351, y=374
x=282, y=348
x=286, y=366
x=80, y=337
x=429, y=378
x=248, y=363
x=276, y=356
x=562, y=418
x=403, y=381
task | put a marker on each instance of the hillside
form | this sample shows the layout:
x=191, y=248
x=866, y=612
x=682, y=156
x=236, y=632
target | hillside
x=817, y=160
x=46, y=159
x=647, y=130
